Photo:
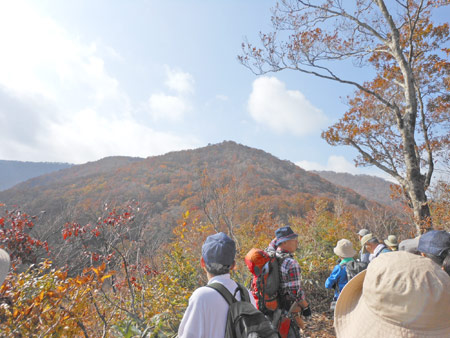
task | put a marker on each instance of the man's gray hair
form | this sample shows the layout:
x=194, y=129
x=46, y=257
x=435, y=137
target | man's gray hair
x=217, y=269
x=373, y=240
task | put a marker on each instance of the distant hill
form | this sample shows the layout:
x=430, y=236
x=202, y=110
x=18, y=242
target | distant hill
x=253, y=182
x=13, y=172
x=371, y=187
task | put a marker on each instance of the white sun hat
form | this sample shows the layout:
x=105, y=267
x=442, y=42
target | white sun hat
x=399, y=295
x=344, y=248
x=4, y=265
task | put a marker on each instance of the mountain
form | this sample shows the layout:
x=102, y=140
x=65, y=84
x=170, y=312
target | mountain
x=13, y=172
x=371, y=187
x=228, y=179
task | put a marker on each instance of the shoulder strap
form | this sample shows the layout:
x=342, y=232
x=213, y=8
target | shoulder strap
x=223, y=291
x=227, y=294
x=382, y=251
x=245, y=297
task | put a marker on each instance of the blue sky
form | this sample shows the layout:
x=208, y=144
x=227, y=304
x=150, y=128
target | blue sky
x=81, y=80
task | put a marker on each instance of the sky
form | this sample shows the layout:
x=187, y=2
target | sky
x=82, y=80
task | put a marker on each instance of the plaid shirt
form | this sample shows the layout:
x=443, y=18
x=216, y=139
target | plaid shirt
x=291, y=278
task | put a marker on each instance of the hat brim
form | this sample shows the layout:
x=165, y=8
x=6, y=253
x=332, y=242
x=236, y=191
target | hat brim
x=354, y=319
x=340, y=253
x=390, y=243
x=286, y=238
x=4, y=265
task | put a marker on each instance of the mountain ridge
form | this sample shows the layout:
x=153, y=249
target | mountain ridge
x=248, y=184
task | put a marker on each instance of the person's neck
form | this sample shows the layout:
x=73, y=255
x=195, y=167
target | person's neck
x=211, y=276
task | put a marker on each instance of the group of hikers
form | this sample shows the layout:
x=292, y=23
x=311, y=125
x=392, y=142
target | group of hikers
x=390, y=290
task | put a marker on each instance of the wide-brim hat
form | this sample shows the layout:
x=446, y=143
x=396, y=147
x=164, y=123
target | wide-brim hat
x=399, y=295
x=391, y=241
x=363, y=232
x=364, y=240
x=344, y=249
x=4, y=265
x=284, y=234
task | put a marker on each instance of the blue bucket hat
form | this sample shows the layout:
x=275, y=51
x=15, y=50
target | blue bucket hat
x=284, y=234
x=219, y=249
x=434, y=242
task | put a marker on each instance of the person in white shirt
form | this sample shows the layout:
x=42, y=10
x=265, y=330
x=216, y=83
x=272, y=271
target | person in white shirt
x=206, y=314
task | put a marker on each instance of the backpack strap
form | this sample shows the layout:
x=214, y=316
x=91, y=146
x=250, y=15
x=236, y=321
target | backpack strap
x=227, y=294
x=245, y=297
x=223, y=291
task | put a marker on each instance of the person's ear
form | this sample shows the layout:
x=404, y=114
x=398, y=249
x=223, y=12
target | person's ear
x=233, y=266
x=202, y=263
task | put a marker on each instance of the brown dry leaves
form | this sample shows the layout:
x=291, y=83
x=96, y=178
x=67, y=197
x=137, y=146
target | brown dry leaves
x=319, y=325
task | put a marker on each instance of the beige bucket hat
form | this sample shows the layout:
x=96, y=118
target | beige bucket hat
x=391, y=241
x=399, y=295
x=364, y=240
x=344, y=248
x=4, y=265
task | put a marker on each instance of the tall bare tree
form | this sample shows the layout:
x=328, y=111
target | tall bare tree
x=399, y=121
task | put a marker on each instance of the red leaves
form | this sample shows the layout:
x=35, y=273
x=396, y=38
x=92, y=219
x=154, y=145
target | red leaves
x=14, y=228
x=95, y=256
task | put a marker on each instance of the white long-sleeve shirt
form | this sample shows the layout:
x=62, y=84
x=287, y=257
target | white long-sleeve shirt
x=206, y=314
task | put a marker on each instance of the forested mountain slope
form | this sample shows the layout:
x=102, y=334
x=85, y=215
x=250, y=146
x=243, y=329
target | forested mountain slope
x=13, y=172
x=228, y=179
x=371, y=187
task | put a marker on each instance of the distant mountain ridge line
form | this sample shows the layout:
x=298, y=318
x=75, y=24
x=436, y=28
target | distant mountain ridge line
x=15, y=172
x=371, y=187
x=368, y=186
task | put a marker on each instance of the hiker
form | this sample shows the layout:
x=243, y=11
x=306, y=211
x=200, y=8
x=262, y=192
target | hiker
x=371, y=244
x=206, y=314
x=363, y=256
x=391, y=243
x=435, y=244
x=291, y=296
x=338, y=277
x=4, y=265
x=410, y=245
x=399, y=295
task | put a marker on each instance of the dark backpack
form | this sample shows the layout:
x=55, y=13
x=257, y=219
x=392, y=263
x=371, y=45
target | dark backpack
x=354, y=267
x=243, y=319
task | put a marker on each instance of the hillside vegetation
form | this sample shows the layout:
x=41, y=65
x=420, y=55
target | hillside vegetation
x=371, y=187
x=124, y=236
x=165, y=186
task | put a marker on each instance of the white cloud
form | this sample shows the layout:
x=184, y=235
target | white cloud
x=340, y=165
x=169, y=107
x=96, y=136
x=38, y=56
x=282, y=110
x=334, y=163
x=59, y=102
x=180, y=81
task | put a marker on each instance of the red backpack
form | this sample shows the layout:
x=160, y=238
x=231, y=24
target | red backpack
x=266, y=278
